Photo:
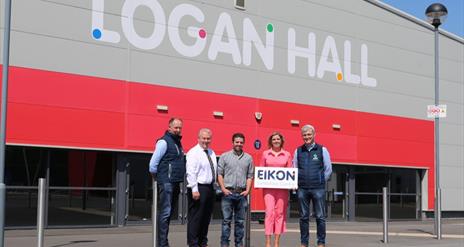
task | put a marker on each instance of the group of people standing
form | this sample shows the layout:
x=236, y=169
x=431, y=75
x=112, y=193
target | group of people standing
x=233, y=174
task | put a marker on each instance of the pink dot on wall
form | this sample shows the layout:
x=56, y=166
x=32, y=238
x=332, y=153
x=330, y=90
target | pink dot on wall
x=202, y=33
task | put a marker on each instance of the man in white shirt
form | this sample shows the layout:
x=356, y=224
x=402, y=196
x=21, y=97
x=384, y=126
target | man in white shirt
x=201, y=176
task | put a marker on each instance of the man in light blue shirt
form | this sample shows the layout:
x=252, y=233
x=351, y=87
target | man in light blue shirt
x=314, y=169
x=167, y=165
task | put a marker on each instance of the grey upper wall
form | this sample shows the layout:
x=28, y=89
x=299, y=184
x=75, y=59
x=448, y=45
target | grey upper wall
x=56, y=35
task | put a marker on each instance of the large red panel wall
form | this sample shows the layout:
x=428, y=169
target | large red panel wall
x=59, y=109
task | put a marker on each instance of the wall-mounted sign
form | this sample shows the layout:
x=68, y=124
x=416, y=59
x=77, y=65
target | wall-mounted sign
x=436, y=111
x=220, y=38
x=257, y=144
x=276, y=177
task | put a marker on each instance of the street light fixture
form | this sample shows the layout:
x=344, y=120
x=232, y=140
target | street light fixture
x=436, y=15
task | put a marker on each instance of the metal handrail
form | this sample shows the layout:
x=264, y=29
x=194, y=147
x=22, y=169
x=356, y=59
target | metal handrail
x=380, y=193
x=62, y=188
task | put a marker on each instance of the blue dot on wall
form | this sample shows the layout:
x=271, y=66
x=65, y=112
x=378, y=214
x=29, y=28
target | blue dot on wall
x=97, y=33
x=257, y=144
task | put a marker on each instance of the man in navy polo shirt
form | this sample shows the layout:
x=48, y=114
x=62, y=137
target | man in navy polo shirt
x=314, y=169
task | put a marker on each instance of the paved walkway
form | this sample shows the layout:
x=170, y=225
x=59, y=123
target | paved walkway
x=359, y=234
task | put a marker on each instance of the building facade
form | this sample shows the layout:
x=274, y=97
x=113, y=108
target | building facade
x=93, y=84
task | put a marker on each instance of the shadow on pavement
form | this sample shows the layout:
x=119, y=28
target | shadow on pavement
x=421, y=231
x=75, y=242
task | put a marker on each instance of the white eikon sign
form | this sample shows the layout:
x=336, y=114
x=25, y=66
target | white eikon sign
x=276, y=177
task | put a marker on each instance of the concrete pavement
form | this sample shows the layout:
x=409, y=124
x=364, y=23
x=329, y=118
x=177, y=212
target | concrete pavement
x=361, y=234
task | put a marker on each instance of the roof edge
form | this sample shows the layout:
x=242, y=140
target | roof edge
x=414, y=19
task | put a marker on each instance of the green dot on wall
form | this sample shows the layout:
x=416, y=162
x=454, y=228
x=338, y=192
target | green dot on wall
x=270, y=27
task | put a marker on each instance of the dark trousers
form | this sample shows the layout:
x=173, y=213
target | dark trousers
x=199, y=216
x=317, y=196
x=168, y=195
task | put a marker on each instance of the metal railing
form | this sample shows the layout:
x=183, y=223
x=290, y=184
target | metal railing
x=97, y=200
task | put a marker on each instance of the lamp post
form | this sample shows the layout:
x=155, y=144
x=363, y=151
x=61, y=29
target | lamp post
x=6, y=63
x=436, y=15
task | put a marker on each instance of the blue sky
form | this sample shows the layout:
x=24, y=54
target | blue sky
x=454, y=22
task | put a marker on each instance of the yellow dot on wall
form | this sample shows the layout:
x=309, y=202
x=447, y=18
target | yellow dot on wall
x=339, y=76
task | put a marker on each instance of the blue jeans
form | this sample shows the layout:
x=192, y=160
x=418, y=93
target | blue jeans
x=168, y=194
x=317, y=196
x=233, y=205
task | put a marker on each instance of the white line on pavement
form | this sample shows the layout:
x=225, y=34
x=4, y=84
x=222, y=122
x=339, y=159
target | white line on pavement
x=400, y=234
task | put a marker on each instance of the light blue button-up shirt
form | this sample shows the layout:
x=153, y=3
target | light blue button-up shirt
x=160, y=149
